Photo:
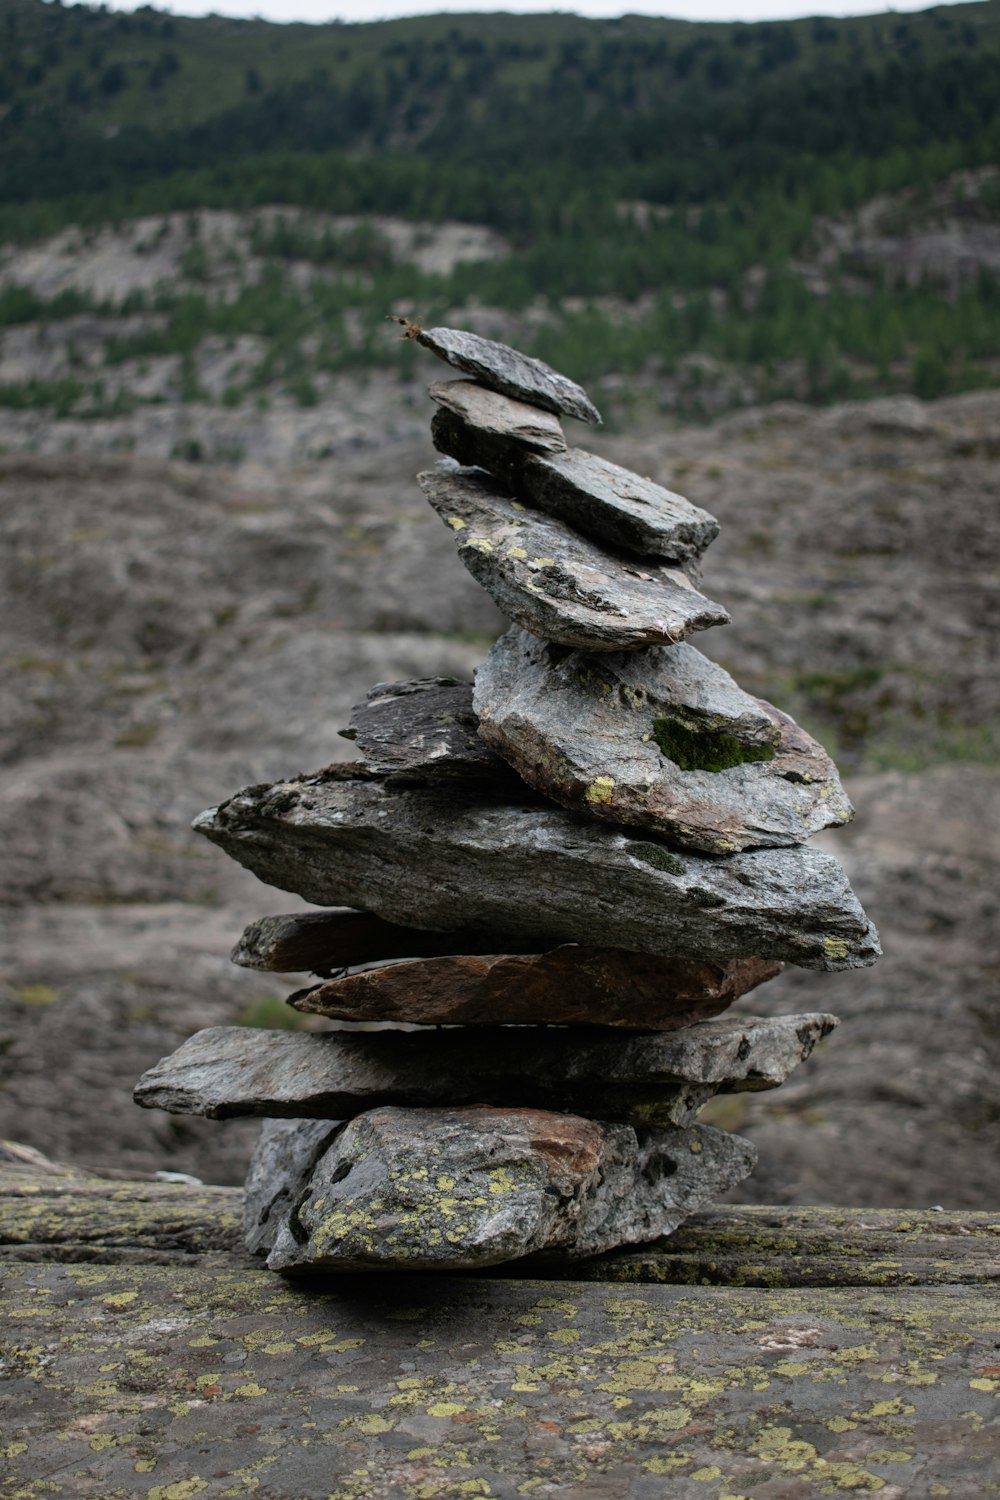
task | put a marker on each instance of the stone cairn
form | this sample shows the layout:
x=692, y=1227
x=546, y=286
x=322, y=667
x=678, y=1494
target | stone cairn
x=574, y=868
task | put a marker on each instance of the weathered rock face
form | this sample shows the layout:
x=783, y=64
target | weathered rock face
x=461, y=1188
x=442, y=858
x=656, y=1078
x=569, y=986
x=286, y=1155
x=507, y=371
x=660, y=739
x=325, y=941
x=425, y=728
x=590, y=494
x=555, y=582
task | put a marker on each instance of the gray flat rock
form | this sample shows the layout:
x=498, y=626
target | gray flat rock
x=589, y=493
x=514, y=425
x=554, y=581
x=443, y=858
x=424, y=728
x=286, y=1155
x=506, y=370
x=454, y=1189
x=570, y=985
x=323, y=942
x=656, y=1078
x=660, y=739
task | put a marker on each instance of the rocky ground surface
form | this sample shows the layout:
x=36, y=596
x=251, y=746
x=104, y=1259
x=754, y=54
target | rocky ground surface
x=174, y=632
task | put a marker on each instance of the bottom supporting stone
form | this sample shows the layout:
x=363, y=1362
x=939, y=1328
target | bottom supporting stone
x=457, y=1189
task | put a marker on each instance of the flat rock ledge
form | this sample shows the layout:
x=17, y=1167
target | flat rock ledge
x=592, y=495
x=327, y=942
x=660, y=739
x=446, y=858
x=506, y=370
x=569, y=985
x=555, y=582
x=656, y=1078
x=458, y=1189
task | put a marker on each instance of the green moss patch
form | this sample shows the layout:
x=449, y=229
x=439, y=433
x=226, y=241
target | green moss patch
x=702, y=749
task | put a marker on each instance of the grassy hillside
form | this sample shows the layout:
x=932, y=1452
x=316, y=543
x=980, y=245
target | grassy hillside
x=667, y=190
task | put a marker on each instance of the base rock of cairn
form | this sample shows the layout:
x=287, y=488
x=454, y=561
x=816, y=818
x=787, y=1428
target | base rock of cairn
x=575, y=867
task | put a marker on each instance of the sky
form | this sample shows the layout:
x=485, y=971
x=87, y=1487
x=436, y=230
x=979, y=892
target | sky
x=379, y=10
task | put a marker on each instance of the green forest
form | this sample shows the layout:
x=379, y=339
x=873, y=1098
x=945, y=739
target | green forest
x=666, y=188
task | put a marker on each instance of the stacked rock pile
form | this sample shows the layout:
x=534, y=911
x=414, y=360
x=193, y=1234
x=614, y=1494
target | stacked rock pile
x=573, y=868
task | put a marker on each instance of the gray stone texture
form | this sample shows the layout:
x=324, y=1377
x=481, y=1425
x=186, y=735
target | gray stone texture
x=451, y=1189
x=660, y=739
x=592, y=495
x=570, y=985
x=506, y=370
x=654, y=1078
x=555, y=582
x=425, y=728
x=443, y=858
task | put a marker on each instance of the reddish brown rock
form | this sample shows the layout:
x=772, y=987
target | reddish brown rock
x=569, y=985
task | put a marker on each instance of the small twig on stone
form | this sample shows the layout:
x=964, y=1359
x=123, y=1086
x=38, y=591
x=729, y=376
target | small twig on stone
x=410, y=328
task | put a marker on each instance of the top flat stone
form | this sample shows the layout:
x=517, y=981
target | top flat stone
x=507, y=371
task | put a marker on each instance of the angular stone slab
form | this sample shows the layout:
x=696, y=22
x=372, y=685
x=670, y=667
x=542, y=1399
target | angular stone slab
x=660, y=739
x=425, y=728
x=448, y=858
x=568, y=986
x=505, y=370
x=656, y=1078
x=324, y=942
x=589, y=493
x=509, y=424
x=557, y=584
x=456, y=1189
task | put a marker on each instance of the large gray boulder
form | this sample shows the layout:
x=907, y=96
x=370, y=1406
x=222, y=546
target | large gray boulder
x=656, y=1078
x=452, y=1189
x=555, y=582
x=660, y=739
x=440, y=858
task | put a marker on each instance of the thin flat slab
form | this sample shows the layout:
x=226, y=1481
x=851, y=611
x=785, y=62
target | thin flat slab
x=424, y=728
x=506, y=370
x=457, y=1189
x=325, y=942
x=554, y=581
x=510, y=423
x=446, y=858
x=656, y=1078
x=660, y=739
x=592, y=495
x=568, y=986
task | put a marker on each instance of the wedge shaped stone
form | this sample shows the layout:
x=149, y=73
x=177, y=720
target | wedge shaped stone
x=507, y=371
x=660, y=739
x=557, y=584
x=512, y=424
x=570, y=985
x=589, y=493
x=656, y=1078
x=456, y=1189
x=447, y=858
x=323, y=942
x=424, y=728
